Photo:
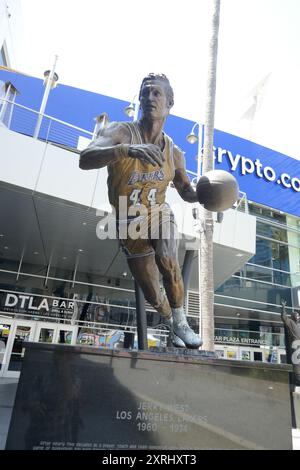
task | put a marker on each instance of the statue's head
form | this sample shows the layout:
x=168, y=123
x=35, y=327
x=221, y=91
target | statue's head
x=161, y=84
x=296, y=316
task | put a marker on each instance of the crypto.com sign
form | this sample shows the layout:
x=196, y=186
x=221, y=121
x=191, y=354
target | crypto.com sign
x=266, y=176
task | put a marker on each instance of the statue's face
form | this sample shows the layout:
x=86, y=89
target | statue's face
x=296, y=316
x=154, y=100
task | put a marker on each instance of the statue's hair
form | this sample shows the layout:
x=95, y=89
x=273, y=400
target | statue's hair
x=161, y=77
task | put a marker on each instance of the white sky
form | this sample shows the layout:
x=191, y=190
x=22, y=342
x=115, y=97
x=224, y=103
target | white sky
x=108, y=46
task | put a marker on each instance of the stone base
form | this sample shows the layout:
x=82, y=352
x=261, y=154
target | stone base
x=86, y=398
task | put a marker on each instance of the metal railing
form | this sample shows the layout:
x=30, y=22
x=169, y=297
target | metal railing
x=23, y=120
x=91, y=332
x=119, y=305
x=242, y=202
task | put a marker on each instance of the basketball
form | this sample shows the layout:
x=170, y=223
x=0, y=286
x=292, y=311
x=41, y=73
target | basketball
x=217, y=190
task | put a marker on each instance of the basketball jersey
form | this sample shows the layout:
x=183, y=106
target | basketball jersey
x=139, y=181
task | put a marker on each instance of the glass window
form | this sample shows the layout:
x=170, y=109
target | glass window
x=23, y=334
x=46, y=335
x=4, y=333
x=294, y=253
x=263, y=253
x=272, y=254
x=270, y=231
x=249, y=291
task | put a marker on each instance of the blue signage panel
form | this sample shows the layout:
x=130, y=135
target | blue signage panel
x=266, y=176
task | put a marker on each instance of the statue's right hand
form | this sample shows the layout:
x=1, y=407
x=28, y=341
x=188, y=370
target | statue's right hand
x=148, y=153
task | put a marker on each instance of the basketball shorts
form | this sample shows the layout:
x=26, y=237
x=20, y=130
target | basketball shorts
x=155, y=234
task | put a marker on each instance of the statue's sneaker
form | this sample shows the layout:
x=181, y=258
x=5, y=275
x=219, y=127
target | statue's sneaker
x=185, y=333
x=175, y=340
x=183, y=330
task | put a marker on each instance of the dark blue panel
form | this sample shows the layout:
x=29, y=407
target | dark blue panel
x=80, y=107
x=178, y=129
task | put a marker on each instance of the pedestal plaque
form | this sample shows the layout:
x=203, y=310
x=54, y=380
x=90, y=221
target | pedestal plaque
x=72, y=398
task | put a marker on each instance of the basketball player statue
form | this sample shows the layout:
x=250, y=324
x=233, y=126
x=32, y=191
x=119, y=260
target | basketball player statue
x=292, y=327
x=142, y=160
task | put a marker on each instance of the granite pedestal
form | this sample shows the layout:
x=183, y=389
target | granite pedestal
x=84, y=398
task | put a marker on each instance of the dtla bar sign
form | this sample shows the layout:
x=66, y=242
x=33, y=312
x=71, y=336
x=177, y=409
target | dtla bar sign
x=36, y=305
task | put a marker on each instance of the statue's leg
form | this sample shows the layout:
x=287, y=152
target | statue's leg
x=146, y=274
x=141, y=261
x=165, y=240
x=166, y=257
x=172, y=279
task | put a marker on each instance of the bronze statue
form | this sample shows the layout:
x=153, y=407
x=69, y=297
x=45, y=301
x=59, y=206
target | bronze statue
x=142, y=160
x=292, y=327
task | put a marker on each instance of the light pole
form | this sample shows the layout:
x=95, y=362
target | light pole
x=192, y=138
x=132, y=110
x=50, y=82
x=101, y=122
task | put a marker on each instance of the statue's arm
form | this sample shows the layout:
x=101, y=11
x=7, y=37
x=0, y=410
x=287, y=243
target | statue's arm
x=283, y=311
x=107, y=148
x=181, y=180
x=113, y=144
x=284, y=316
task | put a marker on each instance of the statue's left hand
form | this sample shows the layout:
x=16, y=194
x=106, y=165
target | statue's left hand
x=148, y=153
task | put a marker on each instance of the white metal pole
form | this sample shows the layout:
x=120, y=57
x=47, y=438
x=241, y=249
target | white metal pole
x=4, y=105
x=136, y=102
x=11, y=111
x=101, y=123
x=136, y=110
x=20, y=264
x=45, y=99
